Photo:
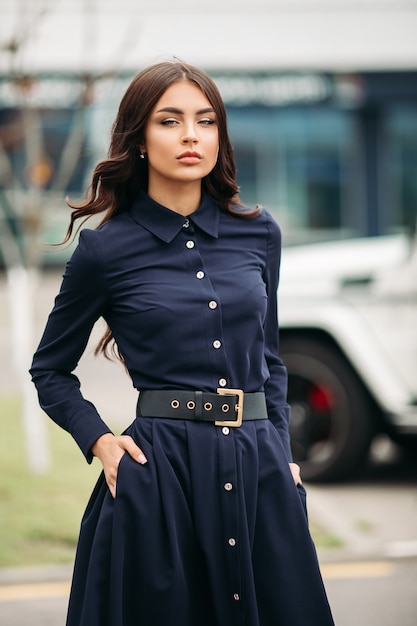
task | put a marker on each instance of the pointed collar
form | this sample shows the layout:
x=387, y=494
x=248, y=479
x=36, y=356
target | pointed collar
x=166, y=224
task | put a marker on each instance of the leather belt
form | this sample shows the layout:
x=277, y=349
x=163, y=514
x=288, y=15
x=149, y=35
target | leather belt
x=227, y=407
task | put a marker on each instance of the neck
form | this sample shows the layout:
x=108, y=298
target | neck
x=183, y=198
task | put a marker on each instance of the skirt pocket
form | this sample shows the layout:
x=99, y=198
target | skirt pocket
x=303, y=496
x=119, y=469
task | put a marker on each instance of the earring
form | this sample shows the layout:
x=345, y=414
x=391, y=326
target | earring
x=141, y=155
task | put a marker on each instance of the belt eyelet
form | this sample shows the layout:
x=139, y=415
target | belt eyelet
x=191, y=405
x=223, y=391
x=175, y=404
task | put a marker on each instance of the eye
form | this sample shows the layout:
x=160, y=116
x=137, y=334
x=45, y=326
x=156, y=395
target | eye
x=207, y=121
x=169, y=122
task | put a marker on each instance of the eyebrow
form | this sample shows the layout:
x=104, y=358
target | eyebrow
x=180, y=112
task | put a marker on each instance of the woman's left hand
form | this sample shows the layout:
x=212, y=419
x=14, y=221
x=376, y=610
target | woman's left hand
x=295, y=471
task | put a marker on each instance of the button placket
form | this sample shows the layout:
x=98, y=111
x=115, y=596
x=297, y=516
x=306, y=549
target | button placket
x=230, y=513
x=214, y=318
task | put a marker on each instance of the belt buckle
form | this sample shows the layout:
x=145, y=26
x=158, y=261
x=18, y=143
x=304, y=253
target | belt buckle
x=238, y=408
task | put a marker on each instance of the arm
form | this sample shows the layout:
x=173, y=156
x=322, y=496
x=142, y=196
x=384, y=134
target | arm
x=80, y=302
x=276, y=386
x=83, y=298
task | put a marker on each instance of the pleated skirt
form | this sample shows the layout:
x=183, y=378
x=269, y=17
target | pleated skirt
x=212, y=531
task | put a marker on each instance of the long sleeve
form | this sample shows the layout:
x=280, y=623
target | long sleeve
x=81, y=301
x=276, y=386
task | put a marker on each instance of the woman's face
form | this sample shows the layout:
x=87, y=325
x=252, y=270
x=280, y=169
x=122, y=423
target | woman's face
x=181, y=137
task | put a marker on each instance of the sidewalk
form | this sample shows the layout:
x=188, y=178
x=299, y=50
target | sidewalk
x=372, y=519
x=35, y=574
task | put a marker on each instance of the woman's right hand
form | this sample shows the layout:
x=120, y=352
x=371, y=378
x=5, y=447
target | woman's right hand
x=110, y=449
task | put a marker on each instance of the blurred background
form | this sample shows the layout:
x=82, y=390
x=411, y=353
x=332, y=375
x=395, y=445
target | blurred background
x=321, y=98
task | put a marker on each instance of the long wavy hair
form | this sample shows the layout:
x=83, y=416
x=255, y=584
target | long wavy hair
x=117, y=179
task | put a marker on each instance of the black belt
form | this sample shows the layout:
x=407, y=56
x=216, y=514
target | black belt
x=227, y=407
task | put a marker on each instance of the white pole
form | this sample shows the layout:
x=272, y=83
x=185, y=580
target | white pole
x=21, y=289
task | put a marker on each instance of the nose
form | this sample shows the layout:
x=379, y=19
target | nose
x=189, y=134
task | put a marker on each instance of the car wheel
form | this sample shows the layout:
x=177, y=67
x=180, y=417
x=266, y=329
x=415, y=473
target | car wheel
x=332, y=424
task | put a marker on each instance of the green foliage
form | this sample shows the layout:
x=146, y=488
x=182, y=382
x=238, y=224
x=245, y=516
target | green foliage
x=322, y=538
x=40, y=514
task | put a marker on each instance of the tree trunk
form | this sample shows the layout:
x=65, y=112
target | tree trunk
x=22, y=288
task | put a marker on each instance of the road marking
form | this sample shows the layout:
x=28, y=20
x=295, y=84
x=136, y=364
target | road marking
x=9, y=593
x=359, y=569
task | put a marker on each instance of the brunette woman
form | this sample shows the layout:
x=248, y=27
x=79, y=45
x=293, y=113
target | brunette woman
x=198, y=518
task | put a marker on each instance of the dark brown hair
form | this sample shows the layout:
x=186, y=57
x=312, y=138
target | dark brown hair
x=117, y=180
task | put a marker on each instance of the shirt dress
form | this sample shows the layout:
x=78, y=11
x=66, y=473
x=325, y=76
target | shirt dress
x=212, y=531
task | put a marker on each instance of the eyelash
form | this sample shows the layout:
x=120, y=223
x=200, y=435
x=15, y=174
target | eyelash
x=204, y=122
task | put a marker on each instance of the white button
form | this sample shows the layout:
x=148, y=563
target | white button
x=228, y=486
x=217, y=344
x=236, y=597
x=232, y=542
x=213, y=304
x=200, y=275
x=186, y=223
x=190, y=244
x=225, y=430
x=222, y=382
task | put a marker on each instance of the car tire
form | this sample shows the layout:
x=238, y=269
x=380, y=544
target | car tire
x=332, y=423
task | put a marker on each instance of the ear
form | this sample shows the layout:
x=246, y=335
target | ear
x=142, y=151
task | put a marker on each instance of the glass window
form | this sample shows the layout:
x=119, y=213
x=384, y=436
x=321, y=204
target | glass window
x=302, y=164
x=398, y=179
x=46, y=147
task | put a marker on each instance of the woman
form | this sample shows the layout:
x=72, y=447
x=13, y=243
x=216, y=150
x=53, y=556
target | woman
x=199, y=516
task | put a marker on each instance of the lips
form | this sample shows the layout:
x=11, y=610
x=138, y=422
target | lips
x=189, y=155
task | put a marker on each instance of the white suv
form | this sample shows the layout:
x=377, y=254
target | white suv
x=348, y=319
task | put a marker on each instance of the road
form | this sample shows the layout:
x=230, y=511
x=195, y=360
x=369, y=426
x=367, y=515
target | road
x=361, y=593
x=373, y=593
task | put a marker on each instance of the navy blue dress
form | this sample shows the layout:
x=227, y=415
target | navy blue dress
x=212, y=531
